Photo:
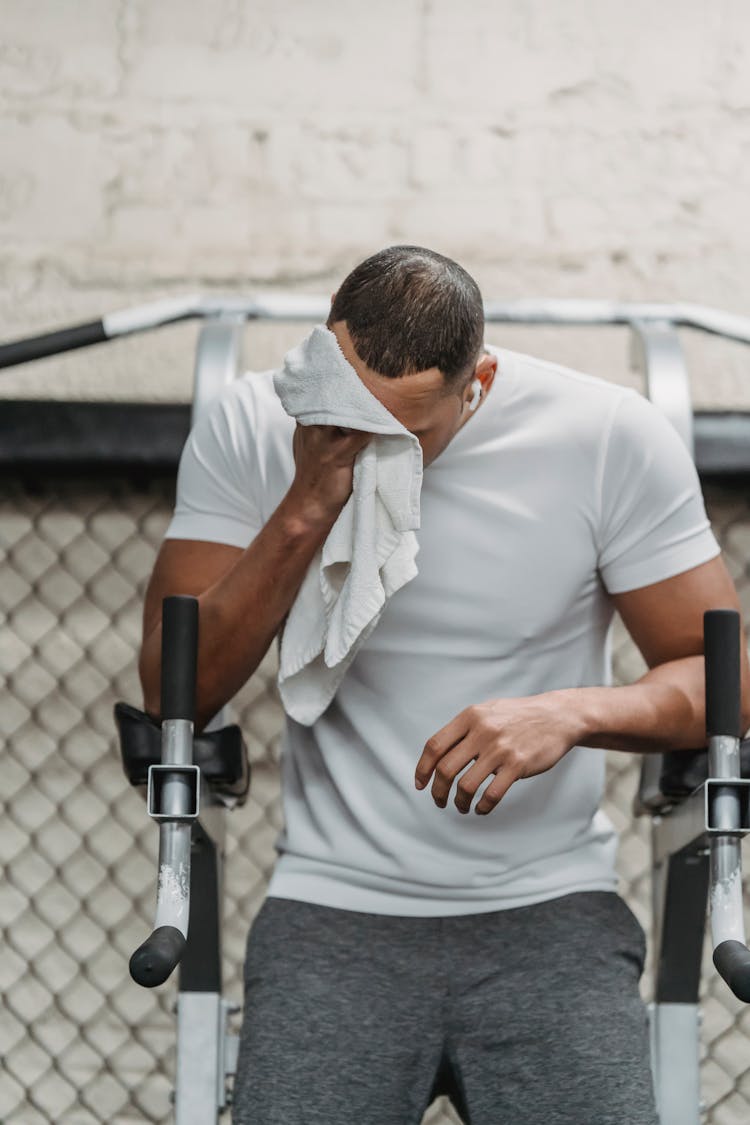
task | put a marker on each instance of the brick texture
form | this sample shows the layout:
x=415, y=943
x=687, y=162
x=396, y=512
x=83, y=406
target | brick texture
x=576, y=150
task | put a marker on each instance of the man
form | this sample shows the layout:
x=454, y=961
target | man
x=406, y=946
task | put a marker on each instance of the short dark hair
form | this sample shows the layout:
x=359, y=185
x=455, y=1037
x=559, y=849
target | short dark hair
x=408, y=309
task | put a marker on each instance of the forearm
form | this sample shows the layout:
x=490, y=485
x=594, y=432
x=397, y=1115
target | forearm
x=242, y=612
x=664, y=710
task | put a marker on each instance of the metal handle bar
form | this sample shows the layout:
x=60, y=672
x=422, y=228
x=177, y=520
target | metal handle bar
x=721, y=631
x=173, y=793
x=290, y=307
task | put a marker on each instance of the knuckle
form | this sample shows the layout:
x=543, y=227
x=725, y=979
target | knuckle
x=465, y=789
x=482, y=720
x=513, y=759
x=442, y=773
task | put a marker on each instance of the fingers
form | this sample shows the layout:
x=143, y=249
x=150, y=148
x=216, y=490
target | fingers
x=337, y=441
x=358, y=438
x=361, y=440
x=440, y=742
x=451, y=749
x=495, y=792
x=449, y=765
x=467, y=787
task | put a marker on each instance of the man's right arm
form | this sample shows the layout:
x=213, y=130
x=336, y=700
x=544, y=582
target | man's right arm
x=244, y=595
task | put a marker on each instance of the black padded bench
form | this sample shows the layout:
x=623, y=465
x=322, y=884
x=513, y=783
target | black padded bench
x=221, y=754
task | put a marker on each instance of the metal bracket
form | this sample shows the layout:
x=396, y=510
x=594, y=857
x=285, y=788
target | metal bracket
x=741, y=787
x=158, y=775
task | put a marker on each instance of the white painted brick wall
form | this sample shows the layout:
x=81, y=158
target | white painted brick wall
x=583, y=149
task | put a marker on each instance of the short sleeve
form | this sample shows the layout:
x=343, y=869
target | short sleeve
x=218, y=480
x=652, y=519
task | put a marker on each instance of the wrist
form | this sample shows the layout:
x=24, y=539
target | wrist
x=304, y=517
x=586, y=711
x=635, y=717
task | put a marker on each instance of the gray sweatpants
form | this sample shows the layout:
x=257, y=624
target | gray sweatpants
x=527, y=1016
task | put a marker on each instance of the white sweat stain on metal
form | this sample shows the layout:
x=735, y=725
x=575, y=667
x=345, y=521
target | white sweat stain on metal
x=726, y=909
x=173, y=897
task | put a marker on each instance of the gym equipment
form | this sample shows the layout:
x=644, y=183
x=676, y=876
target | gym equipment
x=699, y=805
x=697, y=800
x=189, y=781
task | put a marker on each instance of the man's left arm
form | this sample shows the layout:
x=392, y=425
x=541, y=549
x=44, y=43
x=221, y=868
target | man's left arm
x=664, y=710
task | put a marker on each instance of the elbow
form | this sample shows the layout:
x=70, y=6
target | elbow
x=149, y=674
x=202, y=717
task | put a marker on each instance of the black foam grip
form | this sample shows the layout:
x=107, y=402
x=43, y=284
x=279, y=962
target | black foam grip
x=153, y=961
x=179, y=656
x=35, y=347
x=721, y=635
x=732, y=960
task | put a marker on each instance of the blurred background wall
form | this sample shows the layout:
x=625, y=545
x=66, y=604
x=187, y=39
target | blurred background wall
x=586, y=148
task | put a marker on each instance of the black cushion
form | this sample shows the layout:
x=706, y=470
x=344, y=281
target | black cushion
x=671, y=777
x=684, y=770
x=221, y=754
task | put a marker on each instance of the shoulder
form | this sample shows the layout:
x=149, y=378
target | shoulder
x=537, y=376
x=620, y=420
x=250, y=395
x=246, y=409
x=559, y=402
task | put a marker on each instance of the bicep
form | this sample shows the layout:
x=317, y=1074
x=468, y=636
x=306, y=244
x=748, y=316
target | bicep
x=184, y=566
x=665, y=619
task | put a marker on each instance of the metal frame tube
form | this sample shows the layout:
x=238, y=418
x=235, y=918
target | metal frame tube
x=173, y=895
x=291, y=307
x=657, y=353
x=217, y=359
x=727, y=919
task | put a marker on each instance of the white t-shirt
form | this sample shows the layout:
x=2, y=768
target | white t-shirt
x=560, y=488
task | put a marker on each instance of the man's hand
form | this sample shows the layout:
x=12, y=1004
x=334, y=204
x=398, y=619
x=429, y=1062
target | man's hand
x=510, y=738
x=324, y=459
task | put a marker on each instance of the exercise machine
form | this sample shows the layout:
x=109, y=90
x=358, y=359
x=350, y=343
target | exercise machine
x=698, y=800
x=189, y=782
x=699, y=803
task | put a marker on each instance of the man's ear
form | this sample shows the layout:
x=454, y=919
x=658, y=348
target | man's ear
x=485, y=369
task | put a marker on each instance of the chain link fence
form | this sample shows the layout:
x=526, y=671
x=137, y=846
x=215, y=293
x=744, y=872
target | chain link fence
x=80, y=1042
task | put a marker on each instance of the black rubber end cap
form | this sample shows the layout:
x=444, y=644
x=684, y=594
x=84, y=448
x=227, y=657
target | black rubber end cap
x=179, y=656
x=153, y=961
x=732, y=960
x=721, y=635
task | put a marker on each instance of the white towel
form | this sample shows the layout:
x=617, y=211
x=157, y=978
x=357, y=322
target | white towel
x=370, y=550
